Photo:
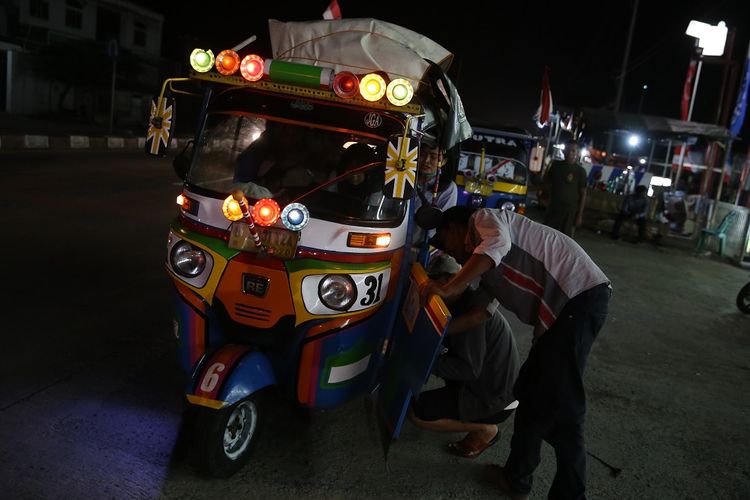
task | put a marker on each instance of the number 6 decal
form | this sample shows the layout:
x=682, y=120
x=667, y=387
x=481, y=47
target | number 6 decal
x=212, y=377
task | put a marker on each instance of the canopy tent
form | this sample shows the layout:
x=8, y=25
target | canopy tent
x=658, y=127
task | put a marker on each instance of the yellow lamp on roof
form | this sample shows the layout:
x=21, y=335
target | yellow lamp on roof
x=372, y=87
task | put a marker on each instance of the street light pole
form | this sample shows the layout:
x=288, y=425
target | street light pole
x=699, y=52
x=621, y=78
x=643, y=94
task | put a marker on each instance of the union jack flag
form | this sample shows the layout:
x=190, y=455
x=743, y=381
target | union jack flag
x=401, y=167
x=159, y=126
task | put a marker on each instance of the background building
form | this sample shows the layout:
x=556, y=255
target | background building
x=59, y=58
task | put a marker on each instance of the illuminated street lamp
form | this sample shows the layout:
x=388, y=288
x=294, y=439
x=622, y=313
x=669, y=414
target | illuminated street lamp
x=710, y=41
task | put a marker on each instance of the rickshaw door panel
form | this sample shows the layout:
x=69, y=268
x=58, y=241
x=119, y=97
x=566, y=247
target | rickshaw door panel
x=416, y=341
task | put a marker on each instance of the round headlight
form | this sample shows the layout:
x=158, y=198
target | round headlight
x=476, y=200
x=509, y=206
x=187, y=260
x=337, y=291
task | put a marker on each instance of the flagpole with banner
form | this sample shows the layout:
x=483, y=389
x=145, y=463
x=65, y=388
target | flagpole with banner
x=333, y=11
x=544, y=112
x=738, y=119
x=687, y=90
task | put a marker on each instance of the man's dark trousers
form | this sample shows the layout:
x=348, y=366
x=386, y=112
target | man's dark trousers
x=552, y=403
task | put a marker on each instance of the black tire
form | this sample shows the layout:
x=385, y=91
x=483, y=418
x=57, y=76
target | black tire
x=743, y=299
x=227, y=437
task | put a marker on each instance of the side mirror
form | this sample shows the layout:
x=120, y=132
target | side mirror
x=182, y=161
x=428, y=217
x=160, y=126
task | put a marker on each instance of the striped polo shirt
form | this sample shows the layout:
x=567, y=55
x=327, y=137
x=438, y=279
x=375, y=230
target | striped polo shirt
x=537, y=269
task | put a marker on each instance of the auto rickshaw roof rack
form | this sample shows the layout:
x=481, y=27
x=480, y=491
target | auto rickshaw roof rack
x=303, y=91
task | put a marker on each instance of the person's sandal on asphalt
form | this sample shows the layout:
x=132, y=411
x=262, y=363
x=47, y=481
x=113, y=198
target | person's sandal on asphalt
x=471, y=446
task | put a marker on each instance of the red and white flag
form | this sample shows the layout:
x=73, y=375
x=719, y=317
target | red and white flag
x=545, y=102
x=333, y=11
x=687, y=90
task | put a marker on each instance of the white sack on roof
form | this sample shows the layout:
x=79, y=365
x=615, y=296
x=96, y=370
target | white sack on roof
x=357, y=45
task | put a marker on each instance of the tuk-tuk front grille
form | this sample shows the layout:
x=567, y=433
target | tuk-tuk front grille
x=251, y=312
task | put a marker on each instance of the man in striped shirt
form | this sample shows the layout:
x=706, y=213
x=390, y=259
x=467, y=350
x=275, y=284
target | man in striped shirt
x=548, y=281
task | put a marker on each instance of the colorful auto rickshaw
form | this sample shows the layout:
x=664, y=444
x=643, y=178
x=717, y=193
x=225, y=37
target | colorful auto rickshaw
x=493, y=168
x=290, y=256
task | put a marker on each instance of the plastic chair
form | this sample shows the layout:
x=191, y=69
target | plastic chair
x=719, y=232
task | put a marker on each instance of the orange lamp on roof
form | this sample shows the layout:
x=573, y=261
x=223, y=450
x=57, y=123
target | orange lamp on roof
x=227, y=62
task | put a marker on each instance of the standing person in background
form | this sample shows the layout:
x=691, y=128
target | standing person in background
x=565, y=182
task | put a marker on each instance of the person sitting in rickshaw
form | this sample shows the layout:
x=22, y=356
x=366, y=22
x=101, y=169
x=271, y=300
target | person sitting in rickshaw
x=431, y=159
x=279, y=159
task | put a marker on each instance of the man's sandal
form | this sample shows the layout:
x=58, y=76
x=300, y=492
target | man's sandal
x=471, y=446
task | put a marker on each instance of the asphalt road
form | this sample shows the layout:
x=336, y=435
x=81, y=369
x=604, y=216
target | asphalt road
x=91, y=394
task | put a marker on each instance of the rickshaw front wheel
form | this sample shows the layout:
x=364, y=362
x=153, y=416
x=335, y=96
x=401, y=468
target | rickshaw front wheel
x=228, y=436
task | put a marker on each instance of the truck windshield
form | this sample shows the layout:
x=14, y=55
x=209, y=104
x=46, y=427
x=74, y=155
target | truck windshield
x=287, y=161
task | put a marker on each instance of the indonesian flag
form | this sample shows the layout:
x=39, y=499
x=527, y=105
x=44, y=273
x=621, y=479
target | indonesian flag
x=687, y=90
x=333, y=11
x=545, y=102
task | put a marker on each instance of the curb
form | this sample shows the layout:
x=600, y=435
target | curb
x=77, y=142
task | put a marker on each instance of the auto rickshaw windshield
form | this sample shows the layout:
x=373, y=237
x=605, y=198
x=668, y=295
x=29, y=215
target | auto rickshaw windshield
x=501, y=168
x=288, y=161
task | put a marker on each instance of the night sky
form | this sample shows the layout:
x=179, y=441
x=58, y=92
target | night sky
x=501, y=50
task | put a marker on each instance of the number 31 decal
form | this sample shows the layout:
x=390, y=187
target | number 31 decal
x=372, y=294
x=371, y=290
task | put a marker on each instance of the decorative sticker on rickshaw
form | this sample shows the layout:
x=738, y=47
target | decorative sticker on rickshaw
x=400, y=167
x=373, y=120
x=159, y=126
x=278, y=242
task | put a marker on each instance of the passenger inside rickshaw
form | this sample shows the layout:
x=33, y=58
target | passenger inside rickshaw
x=361, y=183
x=283, y=158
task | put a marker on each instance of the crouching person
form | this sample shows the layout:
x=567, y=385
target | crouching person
x=480, y=364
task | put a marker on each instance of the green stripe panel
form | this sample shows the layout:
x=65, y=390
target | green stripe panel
x=293, y=266
x=215, y=244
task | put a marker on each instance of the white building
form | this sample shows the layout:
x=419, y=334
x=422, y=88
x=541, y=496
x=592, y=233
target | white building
x=98, y=33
